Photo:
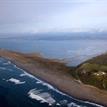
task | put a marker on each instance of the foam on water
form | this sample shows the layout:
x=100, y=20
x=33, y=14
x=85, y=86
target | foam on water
x=43, y=97
x=42, y=82
x=73, y=105
x=45, y=84
x=15, y=81
x=93, y=104
x=38, y=82
x=7, y=63
x=26, y=74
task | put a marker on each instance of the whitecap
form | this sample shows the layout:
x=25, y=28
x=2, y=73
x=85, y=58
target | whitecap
x=15, y=81
x=41, y=82
x=7, y=63
x=93, y=104
x=43, y=97
x=73, y=105
x=48, y=85
x=57, y=104
x=27, y=74
x=38, y=82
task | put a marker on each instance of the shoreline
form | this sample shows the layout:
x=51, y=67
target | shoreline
x=53, y=87
x=70, y=86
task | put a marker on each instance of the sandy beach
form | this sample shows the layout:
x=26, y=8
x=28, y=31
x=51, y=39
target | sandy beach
x=56, y=73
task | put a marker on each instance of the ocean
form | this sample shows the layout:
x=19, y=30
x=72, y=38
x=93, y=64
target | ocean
x=73, y=52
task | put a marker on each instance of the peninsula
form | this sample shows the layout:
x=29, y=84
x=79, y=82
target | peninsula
x=88, y=81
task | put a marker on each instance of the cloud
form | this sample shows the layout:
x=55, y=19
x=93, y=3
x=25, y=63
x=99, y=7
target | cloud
x=52, y=15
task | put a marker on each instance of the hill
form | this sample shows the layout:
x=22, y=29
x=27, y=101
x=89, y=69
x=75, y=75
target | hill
x=93, y=72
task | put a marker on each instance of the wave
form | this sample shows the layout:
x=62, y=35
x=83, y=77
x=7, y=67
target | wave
x=43, y=97
x=15, y=81
x=7, y=63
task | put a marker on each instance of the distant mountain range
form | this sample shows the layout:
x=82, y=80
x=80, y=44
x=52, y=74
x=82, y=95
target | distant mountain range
x=59, y=36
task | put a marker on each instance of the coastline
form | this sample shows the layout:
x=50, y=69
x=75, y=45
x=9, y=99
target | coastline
x=55, y=73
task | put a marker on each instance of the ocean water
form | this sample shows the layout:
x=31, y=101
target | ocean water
x=20, y=89
x=72, y=51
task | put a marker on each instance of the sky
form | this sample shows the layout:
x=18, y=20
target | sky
x=23, y=16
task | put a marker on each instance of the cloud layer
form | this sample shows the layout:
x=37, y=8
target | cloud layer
x=52, y=15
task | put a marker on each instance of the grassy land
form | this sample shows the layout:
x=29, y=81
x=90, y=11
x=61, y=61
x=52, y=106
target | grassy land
x=93, y=72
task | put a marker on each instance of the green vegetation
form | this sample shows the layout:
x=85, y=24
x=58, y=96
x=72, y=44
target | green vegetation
x=93, y=72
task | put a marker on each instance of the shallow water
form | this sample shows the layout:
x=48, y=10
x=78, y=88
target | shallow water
x=73, y=51
x=20, y=89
